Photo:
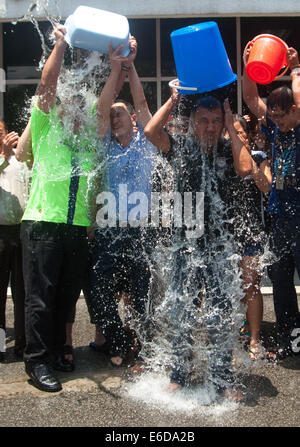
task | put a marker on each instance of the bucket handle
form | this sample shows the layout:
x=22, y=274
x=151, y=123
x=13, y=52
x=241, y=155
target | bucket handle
x=244, y=59
x=178, y=87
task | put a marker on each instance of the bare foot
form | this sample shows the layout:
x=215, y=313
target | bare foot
x=233, y=395
x=174, y=387
x=116, y=361
x=138, y=368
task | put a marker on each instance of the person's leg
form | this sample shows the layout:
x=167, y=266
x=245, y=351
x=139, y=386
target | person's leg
x=220, y=329
x=72, y=276
x=100, y=292
x=282, y=277
x=185, y=284
x=42, y=256
x=5, y=256
x=42, y=260
x=18, y=295
x=254, y=302
x=4, y=280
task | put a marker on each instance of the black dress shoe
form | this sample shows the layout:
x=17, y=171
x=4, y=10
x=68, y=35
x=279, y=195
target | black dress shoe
x=62, y=364
x=42, y=378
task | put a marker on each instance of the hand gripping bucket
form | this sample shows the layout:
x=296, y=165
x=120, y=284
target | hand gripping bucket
x=201, y=60
x=93, y=29
x=267, y=56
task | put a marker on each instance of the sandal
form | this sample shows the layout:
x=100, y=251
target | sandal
x=258, y=352
x=245, y=334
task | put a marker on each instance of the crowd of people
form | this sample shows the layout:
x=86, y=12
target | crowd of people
x=54, y=236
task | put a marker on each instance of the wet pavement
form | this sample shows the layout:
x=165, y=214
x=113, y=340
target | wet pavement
x=99, y=395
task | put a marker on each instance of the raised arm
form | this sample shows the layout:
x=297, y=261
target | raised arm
x=293, y=61
x=47, y=89
x=120, y=67
x=155, y=130
x=250, y=93
x=262, y=175
x=241, y=156
x=243, y=162
x=24, y=147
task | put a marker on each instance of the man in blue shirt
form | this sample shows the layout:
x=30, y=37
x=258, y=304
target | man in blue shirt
x=280, y=118
x=118, y=262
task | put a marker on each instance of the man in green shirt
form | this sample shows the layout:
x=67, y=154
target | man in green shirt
x=54, y=224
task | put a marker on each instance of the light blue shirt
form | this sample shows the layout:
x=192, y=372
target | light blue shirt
x=128, y=173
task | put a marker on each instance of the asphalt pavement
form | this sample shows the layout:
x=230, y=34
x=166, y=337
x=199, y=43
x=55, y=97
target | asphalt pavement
x=99, y=395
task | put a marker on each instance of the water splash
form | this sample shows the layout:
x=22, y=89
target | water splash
x=171, y=310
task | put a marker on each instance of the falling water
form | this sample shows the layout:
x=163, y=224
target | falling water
x=171, y=310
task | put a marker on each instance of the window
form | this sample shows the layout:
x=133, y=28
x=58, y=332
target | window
x=22, y=52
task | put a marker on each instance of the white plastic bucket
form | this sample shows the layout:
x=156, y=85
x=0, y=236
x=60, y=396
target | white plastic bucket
x=93, y=29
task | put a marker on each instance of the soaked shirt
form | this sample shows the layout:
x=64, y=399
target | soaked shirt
x=128, y=173
x=284, y=202
x=14, y=189
x=60, y=174
x=212, y=174
x=250, y=207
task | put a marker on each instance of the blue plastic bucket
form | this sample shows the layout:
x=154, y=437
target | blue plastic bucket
x=93, y=29
x=201, y=60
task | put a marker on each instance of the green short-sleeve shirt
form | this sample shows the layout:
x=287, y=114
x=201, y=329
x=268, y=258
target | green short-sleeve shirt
x=62, y=169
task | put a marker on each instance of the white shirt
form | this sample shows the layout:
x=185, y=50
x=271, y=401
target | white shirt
x=14, y=188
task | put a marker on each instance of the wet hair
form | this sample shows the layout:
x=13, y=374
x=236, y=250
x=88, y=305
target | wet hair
x=209, y=103
x=129, y=106
x=240, y=119
x=281, y=97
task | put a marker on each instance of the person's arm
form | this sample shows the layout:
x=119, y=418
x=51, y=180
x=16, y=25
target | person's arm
x=120, y=67
x=242, y=159
x=47, y=88
x=262, y=175
x=155, y=130
x=293, y=61
x=24, y=148
x=141, y=108
x=9, y=142
x=250, y=93
x=243, y=162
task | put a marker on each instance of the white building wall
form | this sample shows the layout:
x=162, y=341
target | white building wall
x=12, y=9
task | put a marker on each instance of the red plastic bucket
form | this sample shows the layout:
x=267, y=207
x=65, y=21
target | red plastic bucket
x=267, y=57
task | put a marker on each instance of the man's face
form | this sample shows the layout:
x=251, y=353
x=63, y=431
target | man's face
x=282, y=119
x=121, y=121
x=208, y=126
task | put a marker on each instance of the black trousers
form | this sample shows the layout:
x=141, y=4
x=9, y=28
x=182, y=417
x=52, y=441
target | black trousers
x=54, y=263
x=286, y=247
x=11, y=269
